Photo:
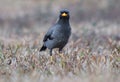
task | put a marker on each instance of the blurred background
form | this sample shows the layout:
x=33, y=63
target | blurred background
x=31, y=13
x=31, y=18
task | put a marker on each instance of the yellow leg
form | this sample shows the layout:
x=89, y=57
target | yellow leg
x=62, y=60
x=51, y=59
x=62, y=55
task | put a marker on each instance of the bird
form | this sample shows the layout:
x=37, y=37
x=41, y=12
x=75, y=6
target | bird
x=58, y=35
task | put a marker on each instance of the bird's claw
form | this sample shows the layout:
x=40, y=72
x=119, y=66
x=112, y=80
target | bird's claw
x=51, y=59
x=62, y=55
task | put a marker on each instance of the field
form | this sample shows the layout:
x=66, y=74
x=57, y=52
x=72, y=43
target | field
x=91, y=55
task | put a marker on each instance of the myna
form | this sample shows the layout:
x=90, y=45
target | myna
x=58, y=35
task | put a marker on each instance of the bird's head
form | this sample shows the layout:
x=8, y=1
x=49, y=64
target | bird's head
x=64, y=14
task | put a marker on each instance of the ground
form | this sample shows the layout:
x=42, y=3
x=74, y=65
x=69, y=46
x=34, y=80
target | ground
x=91, y=55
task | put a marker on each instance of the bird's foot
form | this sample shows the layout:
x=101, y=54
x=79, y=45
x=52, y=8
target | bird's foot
x=62, y=55
x=51, y=60
x=62, y=60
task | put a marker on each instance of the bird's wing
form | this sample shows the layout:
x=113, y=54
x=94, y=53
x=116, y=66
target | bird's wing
x=49, y=34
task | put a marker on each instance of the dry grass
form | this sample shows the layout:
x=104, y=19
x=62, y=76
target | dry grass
x=92, y=55
x=93, y=51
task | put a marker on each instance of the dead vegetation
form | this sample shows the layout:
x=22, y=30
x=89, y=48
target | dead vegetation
x=92, y=54
x=93, y=51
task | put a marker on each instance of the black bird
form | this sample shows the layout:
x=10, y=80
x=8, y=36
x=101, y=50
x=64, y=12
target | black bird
x=58, y=35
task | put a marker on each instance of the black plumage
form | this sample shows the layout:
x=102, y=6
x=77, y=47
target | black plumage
x=58, y=35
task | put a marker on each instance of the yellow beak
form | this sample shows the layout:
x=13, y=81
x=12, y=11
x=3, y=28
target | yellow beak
x=64, y=14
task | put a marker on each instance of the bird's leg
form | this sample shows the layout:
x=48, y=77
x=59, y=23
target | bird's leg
x=51, y=58
x=60, y=53
x=60, y=50
x=62, y=58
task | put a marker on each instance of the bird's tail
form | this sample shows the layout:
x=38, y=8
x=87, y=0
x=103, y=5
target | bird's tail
x=43, y=48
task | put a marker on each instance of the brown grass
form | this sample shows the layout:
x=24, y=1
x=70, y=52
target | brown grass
x=92, y=55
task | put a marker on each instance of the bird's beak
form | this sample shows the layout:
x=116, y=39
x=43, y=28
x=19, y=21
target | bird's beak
x=64, y=14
